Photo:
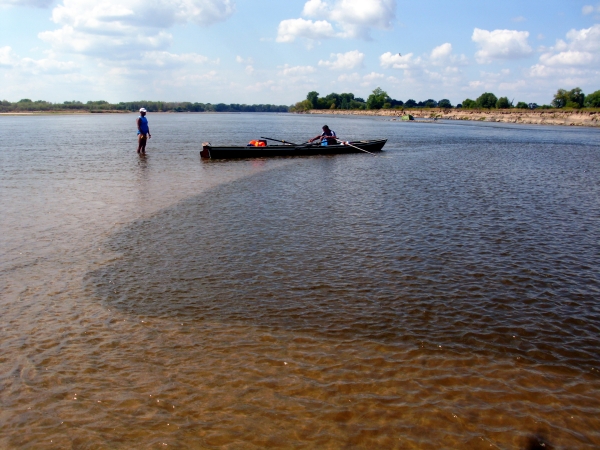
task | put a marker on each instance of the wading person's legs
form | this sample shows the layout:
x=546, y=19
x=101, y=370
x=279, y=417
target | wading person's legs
x=141, y=143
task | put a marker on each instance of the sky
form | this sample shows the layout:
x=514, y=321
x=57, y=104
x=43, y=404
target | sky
x=266, y=51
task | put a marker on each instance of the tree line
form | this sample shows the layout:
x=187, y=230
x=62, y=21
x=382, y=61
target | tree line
x=379, y=99
x=25, y=105
x=574, y=98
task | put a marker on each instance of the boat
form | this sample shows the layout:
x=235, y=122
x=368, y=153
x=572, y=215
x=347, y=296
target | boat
x=407, y=117
x=230, y=152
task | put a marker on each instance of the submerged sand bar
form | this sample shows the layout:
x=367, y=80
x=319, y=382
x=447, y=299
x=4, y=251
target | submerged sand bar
x=537, y=117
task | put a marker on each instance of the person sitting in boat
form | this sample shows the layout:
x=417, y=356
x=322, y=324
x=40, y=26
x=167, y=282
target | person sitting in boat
x=328, y=137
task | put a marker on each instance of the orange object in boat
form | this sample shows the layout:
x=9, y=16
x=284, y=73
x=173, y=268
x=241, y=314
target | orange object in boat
x=259, y=143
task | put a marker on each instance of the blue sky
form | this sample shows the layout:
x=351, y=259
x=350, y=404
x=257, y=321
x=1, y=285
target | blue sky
x=261, y=51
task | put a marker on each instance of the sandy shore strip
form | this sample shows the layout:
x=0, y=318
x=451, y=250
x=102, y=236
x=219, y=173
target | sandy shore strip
x=535, y=117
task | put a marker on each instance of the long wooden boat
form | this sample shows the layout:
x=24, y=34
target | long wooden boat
x=208, y=151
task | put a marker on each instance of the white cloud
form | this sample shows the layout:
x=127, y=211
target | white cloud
x=354, y=19
x=587, y=40
x=373, y=76
x=501, y=44
x=495, y=75
x=581, y=49
x=291, y=29
x=396, y=60
x=172, y=60
x=242, y=60
x=575, y=60
x=28, y=66
x=441, y=52
x=349, y=78
x=188, y=79
x=344, y=61
x=268, y=85
x=440, y=69
x=124, y=28
x=519, y=85
x=496, y=82
x=357, y=16
x=294, y=71
x=30, y=3
x=476, y=84
x=315, y=8
x=442, y=55
x=119, y=15
x=590, y=9
x=7, y=57
x=111, y=46
x=538, y=71
x=568, y=58
x=519, y=19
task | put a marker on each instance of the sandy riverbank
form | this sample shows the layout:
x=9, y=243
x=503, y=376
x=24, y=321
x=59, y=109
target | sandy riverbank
x=537, y=117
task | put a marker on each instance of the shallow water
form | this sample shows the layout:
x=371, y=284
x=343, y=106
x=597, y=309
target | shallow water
x=443, y=294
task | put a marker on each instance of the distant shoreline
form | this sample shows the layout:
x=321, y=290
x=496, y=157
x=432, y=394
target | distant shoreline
x=75, y=112
x=519, y=116
x=60, y=112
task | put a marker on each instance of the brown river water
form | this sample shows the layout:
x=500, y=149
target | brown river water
x=442, y=295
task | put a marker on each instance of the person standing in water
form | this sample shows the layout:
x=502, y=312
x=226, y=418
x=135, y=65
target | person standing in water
x=143, y=131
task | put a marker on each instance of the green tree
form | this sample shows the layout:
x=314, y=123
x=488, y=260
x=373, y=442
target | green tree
x=313, y=98
x=574, y=98
x=444, y=103
x=302, y=106
x=593, y=100
x=503, y=103
x=486, y=100
x=377, y=99
x=522, y=105
x=333, y=100
x=560, y=99
x=322, y=103
x=469, y=104
x=577, y=97
x=346, y=100
x=410, y=103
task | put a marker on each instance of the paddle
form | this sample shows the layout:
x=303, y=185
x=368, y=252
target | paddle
x=354, y=146
x=277, y=140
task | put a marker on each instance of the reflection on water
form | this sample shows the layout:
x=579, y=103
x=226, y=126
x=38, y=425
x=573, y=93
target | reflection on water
x=445, y=295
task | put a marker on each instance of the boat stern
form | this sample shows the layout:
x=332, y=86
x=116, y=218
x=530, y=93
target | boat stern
x=205, y=152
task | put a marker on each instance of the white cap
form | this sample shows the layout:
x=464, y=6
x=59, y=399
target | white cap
x=143, y=110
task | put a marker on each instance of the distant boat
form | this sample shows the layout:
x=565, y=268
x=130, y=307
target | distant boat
x=407, y=117
x=230, y=152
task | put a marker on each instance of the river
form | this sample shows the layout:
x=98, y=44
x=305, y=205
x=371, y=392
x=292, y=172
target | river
x=442, y=294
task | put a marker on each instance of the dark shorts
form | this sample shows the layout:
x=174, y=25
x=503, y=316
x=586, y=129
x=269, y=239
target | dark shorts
x=142, y=138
